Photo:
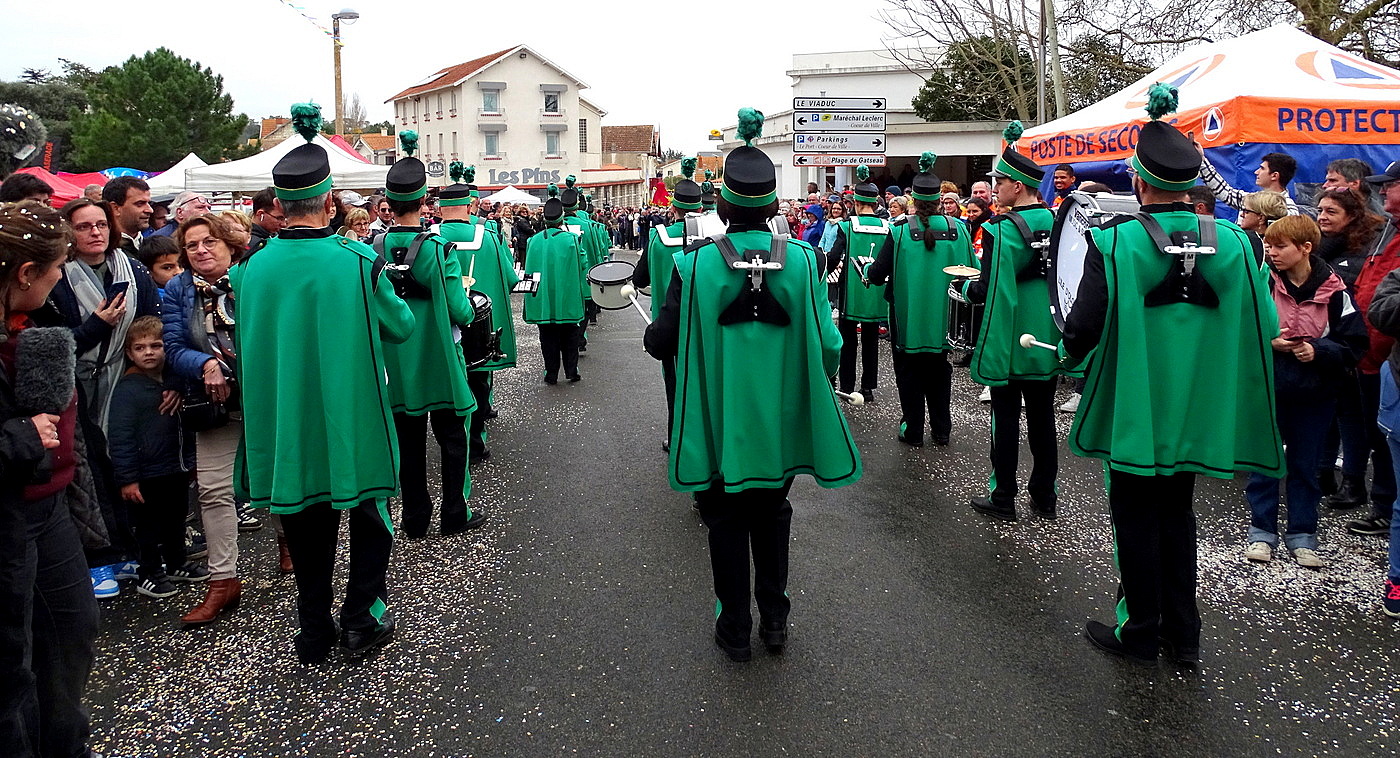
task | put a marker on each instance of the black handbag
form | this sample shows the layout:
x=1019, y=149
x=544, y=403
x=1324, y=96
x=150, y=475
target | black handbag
x=200, y=414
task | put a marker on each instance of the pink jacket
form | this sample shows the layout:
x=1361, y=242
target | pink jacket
x=1307, y=319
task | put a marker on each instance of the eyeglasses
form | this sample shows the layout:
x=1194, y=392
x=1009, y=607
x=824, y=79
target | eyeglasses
x=100, y=226
x=207, y=243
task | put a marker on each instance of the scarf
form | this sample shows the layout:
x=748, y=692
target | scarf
x=100, y=367
x=216, y=300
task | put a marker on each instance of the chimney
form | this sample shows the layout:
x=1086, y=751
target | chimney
x=384, y=132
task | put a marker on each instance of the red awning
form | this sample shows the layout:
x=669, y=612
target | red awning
x=62, y=190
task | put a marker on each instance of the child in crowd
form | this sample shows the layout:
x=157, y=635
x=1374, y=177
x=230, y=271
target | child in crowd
x=161, y=255
x=152, y=458
x=1321, y=336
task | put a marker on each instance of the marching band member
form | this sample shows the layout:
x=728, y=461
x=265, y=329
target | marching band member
x=1015, y=265
x=707, y=192
x=483, y=258
x=911, y=261
x=311, y=452
x=427, y=376
x=1178, y=385
x=557, y=306
x=858, y=301
x=593, y=238
x=656, y=264
x=748, y=323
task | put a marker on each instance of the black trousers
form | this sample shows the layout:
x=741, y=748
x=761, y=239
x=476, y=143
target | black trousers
x=480, y=383
x=1039, y=395
x=312, y=536
x=160, y=523
x=760, y=519
x=925, y=381
x=869, y=355
x=48, y=620
x=451, y=433
x=668, y=377
x=1154, y=535
x=559, y=341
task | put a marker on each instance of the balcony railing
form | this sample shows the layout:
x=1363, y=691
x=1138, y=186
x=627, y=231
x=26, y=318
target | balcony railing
x=548, y=156
x=499, y=155
x=497, y=115
x=552, y=115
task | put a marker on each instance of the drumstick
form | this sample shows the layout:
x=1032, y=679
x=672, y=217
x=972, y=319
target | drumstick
x=854, y=398
x=471, y=268
x=1029, y=340
x=630, y=292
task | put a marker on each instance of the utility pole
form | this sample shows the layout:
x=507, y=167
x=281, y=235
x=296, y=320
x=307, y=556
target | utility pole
x=349, y=16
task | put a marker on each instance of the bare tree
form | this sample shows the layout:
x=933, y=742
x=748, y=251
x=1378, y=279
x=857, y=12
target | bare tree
x=356, y=116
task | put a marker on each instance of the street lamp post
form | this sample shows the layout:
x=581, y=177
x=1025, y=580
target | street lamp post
x=349, y=17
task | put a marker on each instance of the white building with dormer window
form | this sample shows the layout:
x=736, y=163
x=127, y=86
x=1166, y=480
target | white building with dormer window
x=519, y=118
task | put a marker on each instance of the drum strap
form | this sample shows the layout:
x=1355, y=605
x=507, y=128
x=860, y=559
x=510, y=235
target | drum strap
x=1039, y=243
x=755, y=302
x=918, y=232
x=401, y=268
x=1184, y=282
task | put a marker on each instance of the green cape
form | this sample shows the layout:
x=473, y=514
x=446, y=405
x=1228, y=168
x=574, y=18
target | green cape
x=858, y=300
x=665, y=242
x=920, y=288
x=317, y=423
x=494, y=272
x=556, y=255
x=1181, y=387
x=754, y=404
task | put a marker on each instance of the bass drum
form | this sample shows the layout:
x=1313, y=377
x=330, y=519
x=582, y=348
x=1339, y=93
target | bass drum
x=606, y=280
x=1069, y=243
x=480, y=343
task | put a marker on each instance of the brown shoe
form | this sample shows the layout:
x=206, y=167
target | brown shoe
x=284, y=556
x=222, y=594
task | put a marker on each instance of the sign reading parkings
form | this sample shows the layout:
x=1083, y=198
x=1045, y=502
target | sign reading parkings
x=808, y=159
x=838, y=143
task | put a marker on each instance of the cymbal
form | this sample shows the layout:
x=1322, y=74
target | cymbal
x=962, y=271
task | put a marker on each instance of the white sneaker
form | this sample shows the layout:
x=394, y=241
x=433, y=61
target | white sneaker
x=1308, y=558
x=1071, y=405
x=1259, y=551
x=986, y=396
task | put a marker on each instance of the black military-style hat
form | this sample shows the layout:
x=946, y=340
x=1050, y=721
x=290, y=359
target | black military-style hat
x=460, y=192
x=926, y=185
x=553, y=210
x=305, y=171
x=1012, y=164
x=408, y=177
x=1165, y=158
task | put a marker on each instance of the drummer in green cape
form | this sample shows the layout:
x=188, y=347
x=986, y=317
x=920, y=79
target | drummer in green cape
x=486, y=260
x=858, y=301
x=707, y=192
x=1013, y=284
x=427, y=375
x=1175, y=315
x=557, y=305
x=749, y=324
x=592, y=239
x=315, y=312
x=657, y=263
x=910, y=266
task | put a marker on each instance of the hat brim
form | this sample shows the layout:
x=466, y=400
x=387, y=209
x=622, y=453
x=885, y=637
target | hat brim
x=1372, y=179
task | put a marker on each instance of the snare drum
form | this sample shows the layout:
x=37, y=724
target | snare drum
x=605, y=281
x=962, y=319
x=480, y=343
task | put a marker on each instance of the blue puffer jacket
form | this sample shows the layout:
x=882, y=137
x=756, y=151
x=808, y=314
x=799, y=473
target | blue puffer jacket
x=813, y=235
x=186, y=343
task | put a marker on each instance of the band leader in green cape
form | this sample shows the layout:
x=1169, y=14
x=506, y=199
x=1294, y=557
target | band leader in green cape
x=557, y=257
x=1180, y=372
x=858, y=300
x=755, y=348
x=315, y=312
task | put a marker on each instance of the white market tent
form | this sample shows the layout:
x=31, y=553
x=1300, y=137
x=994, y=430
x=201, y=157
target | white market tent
x=255, y=172
x=1274, y=89
x=172, y=180
x=511, y=196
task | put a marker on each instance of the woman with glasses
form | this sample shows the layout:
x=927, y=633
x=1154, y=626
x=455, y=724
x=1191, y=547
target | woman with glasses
x=198, y=315
x=1260, y=209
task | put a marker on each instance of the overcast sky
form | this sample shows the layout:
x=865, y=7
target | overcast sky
x=688, y=67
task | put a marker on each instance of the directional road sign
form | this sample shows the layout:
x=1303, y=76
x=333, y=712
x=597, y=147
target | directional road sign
x=838, y=121
x=838, y=103
x=838, y=143
x=851, y=159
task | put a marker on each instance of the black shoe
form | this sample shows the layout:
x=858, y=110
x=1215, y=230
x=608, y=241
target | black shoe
x=477, y=520
x=869, y=395
x=1352, y=494
x=1182, y=655
x=313, y=650
x=1047, y=511
x=666, y=447
x=909, y=442
x=987, y=507
x=1103, y=637
x=491, y=413
x=477, y=456
x=774, y=636
x=575, y=378
x=583, y=348
x=940, y=441
x=735, y=653
x=550, y=380
x=1327, y=481
x=358, y=643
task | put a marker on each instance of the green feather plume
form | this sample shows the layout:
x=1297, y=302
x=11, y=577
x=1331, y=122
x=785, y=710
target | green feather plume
x=553, y=190
x=569, y=180
x=456, y=170
x=1013, y=132
x=1161, y=100
x=306, y=120
x=926, y=161
x=709, y=175
x=470, y=173
x=750, y=125
x=688, y=167
x=707, y=187
x=862, y=173
x=409, y=139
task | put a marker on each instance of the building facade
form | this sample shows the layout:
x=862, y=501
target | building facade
x=518, y=117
